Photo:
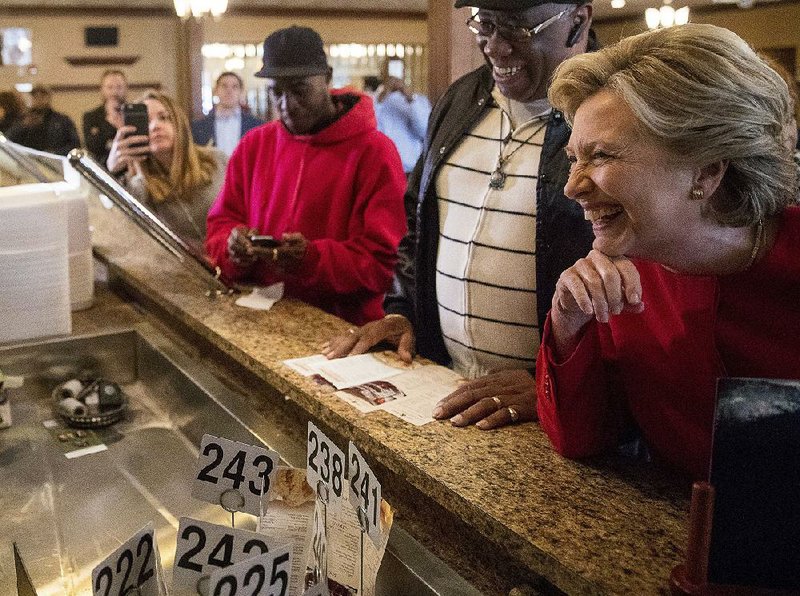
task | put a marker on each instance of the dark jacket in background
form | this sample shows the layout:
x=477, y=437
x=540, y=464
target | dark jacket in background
x=98, y=134
x=562, y=234
x=203, y=129
x=45, y=130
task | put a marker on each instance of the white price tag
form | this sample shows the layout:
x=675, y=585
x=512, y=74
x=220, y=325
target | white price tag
x=365, y=493
x=325, y=462
x=264, y=575
x=134, y=565
x=203, y=547
x=234, y=474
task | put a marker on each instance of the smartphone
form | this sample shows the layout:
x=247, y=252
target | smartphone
x=396, y=68
x=135, y=114
x=264, y=241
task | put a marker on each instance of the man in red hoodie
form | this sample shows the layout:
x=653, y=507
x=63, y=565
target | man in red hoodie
x=322, y=181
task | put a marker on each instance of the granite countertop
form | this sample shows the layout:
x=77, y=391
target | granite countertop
x=598, y=527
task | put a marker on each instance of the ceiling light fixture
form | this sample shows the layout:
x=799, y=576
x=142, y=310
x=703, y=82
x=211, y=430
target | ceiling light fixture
x=200, y=8
x=666, y=16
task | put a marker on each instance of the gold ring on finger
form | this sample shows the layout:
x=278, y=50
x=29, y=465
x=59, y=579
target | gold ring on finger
x=497, y=402
x=513, y=413
x=351, y=331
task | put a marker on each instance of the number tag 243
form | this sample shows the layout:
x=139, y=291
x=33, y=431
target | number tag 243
x=226, y=466
x=135, y=564
x=203, y=547
x=264, y=575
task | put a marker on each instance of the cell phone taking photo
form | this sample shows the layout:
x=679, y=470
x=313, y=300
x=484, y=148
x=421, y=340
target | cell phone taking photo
x=263, y=241
x=135, y=114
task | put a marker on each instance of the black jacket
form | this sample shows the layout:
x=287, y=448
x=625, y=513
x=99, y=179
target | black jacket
x=98, y=133
x=51, y=131
x=562, y=234
x=204, y=131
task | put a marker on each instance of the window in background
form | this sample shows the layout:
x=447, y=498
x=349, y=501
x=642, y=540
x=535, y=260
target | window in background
x=15, y=46
x=351, y=62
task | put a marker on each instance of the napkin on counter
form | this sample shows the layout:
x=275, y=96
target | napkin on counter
x=262, y=298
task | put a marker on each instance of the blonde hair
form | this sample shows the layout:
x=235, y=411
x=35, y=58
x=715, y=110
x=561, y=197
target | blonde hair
x=706, y=96
x=192, y=166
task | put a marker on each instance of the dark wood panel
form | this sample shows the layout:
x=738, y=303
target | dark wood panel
x=102, y=60
x=95, y=87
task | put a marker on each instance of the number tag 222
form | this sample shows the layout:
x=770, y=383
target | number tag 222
x=135, y=564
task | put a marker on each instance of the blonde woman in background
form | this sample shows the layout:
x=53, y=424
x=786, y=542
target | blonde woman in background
x=177, y=179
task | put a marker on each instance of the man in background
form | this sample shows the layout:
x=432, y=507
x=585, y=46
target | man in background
x=315, y=198
x=43, y=128
x=226, y=123
x=402, y=115
x=100, y=124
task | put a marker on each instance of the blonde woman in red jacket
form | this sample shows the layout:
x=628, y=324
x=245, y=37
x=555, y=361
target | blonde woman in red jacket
x=679, y=160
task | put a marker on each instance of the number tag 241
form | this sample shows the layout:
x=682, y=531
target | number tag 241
x=135, y=564
x=365, y=493
x=264, y=575
x=203, y=547
x=229, y=466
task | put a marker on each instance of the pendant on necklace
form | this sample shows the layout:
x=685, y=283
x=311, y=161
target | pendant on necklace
x=498, y=179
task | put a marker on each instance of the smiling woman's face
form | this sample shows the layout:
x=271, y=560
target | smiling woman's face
x=633, y=190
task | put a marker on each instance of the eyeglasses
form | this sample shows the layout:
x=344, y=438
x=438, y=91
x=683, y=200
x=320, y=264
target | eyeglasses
x=510, y=33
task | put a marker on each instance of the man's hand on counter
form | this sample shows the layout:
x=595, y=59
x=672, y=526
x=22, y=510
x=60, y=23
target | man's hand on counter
x=498, y=399
x=394, y=329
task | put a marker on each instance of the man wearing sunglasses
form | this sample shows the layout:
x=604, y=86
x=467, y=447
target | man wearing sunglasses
x=490, y=230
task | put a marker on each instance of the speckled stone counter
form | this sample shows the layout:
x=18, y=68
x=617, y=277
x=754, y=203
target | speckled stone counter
x=500, y=507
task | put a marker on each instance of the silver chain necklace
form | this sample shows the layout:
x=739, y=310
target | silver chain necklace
x=497, y=179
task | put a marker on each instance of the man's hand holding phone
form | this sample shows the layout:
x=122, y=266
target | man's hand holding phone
x=246, y=246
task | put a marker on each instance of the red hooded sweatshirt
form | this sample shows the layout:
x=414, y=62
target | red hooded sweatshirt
x=342, y=188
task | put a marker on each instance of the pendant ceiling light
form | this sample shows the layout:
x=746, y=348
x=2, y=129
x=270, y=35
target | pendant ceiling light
x=666, y=16
x=200, y=8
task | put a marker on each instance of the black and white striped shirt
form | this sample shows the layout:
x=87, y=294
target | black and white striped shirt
x=486, y=263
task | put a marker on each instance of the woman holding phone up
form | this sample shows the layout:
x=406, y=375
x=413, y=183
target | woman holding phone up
x=166, y=171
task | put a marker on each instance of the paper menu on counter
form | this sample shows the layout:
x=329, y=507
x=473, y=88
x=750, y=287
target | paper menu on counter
x=288, y=520
x=371, y=382
x=351, y=370
x=411, y=395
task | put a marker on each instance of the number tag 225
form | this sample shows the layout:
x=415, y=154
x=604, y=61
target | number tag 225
x=135, y=564
x=264, y=575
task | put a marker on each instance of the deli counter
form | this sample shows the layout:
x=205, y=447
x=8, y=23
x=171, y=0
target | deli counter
x=475, y=512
